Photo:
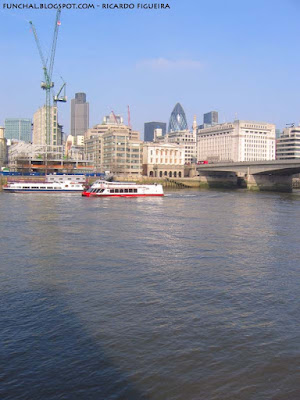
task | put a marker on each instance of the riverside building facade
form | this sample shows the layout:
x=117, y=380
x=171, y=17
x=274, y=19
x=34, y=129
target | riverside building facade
x=116, y=148
x=28, y=157
x=288, y=144
x=163, y=160
x=236, y=142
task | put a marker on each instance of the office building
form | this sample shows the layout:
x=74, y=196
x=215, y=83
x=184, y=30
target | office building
x=237, y=141
x=149, y=128
x=114, y=147
x=210, y=118
x=177, y=120
x=111, y=123
x=288, y=144
x=39, y=127
x=79, y=115
x=18, y=129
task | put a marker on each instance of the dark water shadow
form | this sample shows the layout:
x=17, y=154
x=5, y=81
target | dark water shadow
x=46, y=353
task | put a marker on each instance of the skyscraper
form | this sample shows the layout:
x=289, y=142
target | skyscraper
x=18, y=128
x=178, y=119
x=210, y=118
x=79, y=114
x=149, y=128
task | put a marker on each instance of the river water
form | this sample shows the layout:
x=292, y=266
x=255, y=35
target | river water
x=190, y=296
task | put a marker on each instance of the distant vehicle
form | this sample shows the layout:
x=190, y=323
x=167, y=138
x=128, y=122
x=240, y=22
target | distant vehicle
x=202, y=162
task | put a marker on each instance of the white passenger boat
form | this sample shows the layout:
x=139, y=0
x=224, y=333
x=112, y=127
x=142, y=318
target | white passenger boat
x=122, y=189
x=53, y=184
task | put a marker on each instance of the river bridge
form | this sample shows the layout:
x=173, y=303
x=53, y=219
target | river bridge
x=273, y=175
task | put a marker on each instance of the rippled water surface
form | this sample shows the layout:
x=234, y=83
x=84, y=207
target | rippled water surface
x=190, y=296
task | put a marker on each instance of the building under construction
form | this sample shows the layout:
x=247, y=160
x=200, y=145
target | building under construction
x=27, y=157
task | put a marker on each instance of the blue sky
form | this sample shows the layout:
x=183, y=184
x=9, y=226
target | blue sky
x=238, y=57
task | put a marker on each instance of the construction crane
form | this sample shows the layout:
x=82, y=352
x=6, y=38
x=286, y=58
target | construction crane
x=58, y=96
x=47, y=84
x=115, y=118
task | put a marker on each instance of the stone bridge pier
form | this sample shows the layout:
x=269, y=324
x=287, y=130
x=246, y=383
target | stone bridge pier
x=273, y=183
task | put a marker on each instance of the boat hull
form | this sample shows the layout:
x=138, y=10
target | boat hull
x=87, y=194
x=40, y=191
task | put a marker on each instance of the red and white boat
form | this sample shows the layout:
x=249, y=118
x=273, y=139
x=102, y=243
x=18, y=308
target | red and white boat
x=122, y=189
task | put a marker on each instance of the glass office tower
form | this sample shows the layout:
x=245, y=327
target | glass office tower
x=18, y=128
x=178, y=119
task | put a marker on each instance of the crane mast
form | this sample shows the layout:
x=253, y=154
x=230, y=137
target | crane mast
x=47, y=84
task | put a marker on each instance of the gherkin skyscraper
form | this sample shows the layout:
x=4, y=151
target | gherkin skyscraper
x=178, y=119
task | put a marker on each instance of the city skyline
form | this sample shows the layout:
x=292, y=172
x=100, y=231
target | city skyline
x=236, y=61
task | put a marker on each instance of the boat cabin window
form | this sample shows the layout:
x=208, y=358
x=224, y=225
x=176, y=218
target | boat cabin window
x=121, y=191
x=112, y=190
x=126, y=190
x=116, y=190
x=134, y=190
x=130, y=190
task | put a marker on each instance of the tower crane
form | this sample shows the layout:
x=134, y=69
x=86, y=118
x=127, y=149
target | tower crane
x=47, y=84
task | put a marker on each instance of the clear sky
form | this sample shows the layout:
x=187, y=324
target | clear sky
x=239, y=57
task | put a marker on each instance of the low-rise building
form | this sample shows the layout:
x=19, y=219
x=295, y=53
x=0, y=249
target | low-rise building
x=163, y=160
x=236, y=142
